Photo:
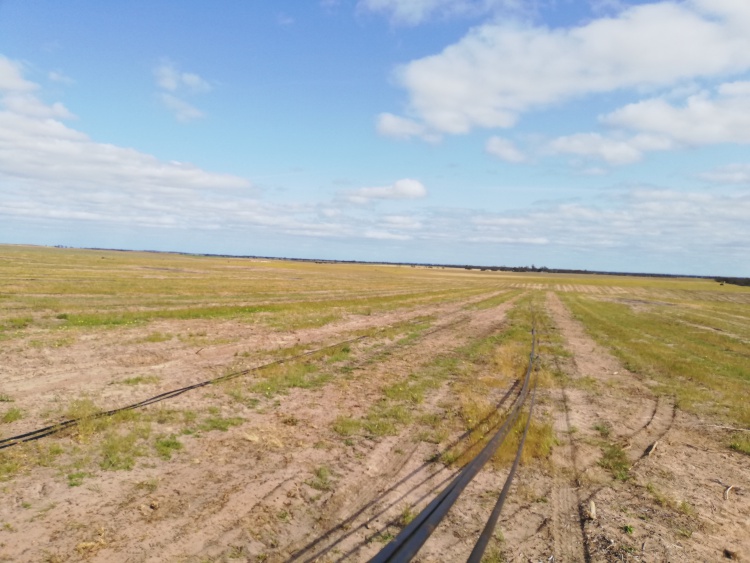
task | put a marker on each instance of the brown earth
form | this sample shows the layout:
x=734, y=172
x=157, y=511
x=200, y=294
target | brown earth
x=256, y=492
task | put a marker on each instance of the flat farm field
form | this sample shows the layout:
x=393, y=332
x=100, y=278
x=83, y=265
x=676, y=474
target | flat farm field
x=290, y=411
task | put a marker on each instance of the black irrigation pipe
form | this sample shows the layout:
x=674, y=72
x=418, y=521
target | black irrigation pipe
x=409, y=541
x=489, y=527
x=60, y=426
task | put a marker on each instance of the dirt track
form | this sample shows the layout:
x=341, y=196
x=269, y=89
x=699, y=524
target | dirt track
x=250, y=493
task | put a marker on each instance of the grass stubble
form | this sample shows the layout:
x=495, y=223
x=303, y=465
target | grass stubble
x=689, y=336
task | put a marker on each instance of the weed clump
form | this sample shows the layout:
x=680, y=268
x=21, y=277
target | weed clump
x=346, y=426
x=140, y=379
x=615, y=460
x=76, y=479
x=119, y=451
x=11, y=415
x=603, y=428
x=321, y=480
x=166, y=446
x=157, y=337
x=219, y=423
x=740, y=444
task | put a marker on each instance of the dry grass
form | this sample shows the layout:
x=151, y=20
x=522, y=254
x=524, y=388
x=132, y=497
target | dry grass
x=498, y=361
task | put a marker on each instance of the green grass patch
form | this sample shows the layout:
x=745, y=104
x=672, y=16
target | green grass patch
x=11, y=415
x=141, y=380
x=338, y=354
x=119, y=449
x=279, y=378
x=386, y=419
x=167, y=445
x=157, y=337
x=603, y=428
x=675, y=343
x=76, y=479
x=321, y=479
x=15, y=323
x=494, y=301
x=615, y=461
x=10, y=464
x=220, y=423
x=740, y=443
x=347, y=426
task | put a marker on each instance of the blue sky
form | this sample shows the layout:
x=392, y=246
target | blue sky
x=601, y=134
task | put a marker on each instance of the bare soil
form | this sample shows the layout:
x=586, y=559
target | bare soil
x=256, y=492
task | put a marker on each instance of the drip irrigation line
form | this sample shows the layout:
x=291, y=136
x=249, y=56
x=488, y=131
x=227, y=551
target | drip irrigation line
x=60, y=426
x=413, y=536
x=489, y=528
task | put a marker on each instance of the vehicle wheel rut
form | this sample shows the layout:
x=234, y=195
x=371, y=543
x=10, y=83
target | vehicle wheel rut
x=566, y=524
x=645, y=440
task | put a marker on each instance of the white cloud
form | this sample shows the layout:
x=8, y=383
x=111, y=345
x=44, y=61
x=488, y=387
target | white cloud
x=62, y=78
x=52, y=170
x=401, y=189
x=413, y=12
x=172, y=82
x=704, y=119
x=401, y=222
x=11, y=77
x=504, y=149
x=730, y=174
x=385, y=235
x=654, y=221
x=28, y=104
x=52, y=174
x=182, y=110
x=46, y=151
x=170, y=78
x=611, y=150
x=500, y=70
x=390, y=125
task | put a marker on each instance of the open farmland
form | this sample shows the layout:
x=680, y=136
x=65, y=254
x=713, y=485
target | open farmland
x=354, y=393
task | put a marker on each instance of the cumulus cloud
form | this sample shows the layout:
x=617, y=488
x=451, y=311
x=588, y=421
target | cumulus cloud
x=27, y=104
x=49, y=169
x=504, y=150
x=500, y=70
x=705, y=118
x=11, y=77
x=657, y=124
x=172, y=82
x=53, y=174
x=401, y=189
